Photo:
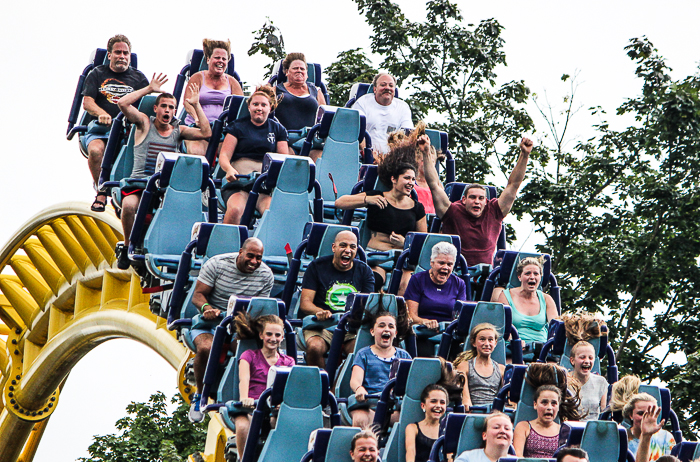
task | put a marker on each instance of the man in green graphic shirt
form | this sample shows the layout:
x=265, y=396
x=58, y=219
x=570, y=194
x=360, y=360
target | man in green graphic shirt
x=327, y=283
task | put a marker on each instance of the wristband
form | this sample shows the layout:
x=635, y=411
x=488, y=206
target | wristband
x=202, y=307
x=365, y=200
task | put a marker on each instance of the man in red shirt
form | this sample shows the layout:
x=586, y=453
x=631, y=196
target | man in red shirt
x=476, y=220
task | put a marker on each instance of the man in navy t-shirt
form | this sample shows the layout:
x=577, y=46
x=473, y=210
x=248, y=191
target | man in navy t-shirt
x=327, y=283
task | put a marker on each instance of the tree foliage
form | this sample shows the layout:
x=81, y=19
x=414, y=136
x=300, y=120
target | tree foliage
x=149, y=434
x=268, y=42
x=350, y=67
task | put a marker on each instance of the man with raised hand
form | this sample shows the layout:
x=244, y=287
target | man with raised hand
x=103, y=88
x=476, y=220
x=384, y=113
x=153, y=135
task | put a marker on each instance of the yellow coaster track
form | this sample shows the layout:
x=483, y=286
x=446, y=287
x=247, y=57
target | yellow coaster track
x=61, y=295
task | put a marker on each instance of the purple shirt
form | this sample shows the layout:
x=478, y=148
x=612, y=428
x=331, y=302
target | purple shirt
x=259, y=368
x=434, y=301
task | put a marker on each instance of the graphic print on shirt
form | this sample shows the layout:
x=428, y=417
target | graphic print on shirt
x=271, y=138
x=338, y=293
x=114, y=89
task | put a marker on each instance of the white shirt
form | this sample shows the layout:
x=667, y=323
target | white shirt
x=382, y=120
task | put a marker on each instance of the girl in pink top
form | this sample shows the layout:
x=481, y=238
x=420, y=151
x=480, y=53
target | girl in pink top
x=540, y=437
x=254, y=365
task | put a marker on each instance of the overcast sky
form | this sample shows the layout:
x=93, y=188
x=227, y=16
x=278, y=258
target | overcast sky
x=45, y=46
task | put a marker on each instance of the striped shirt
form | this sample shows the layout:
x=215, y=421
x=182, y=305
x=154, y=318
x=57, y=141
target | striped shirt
x=223, y=276
x=146, y=152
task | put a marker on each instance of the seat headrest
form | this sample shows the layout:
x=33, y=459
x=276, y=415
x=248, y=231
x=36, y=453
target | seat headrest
x=99, y=56
x=421, y=245
x=216, y=238
x=302, y=387
x=236, y=107
x=292, y=174
x=182, y=172
x=146, y=105
x=470, y=433
x=263, y=306
x=341, y=124
x=423, y=372
x=320, y=237
x=508, y=275
x=455, y=191
x=384, y=302
x=313, y=72
x=439, y=140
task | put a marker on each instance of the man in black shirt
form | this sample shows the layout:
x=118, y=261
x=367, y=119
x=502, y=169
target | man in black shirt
x=103, y=88
x=327, y=283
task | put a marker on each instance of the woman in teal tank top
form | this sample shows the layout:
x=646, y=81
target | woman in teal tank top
x=532, y=309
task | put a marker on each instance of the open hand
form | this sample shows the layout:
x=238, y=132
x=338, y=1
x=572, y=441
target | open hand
x=157, y=82
x=649, y=423
x=380, y=201
x=194, y=93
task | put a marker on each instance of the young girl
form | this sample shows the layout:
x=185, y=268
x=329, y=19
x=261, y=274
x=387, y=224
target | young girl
x=254, y=365
x=594, y=388
x=420, y=436
x=497, y=436
x=484, y=375
x=370, y=370
x=540, y=437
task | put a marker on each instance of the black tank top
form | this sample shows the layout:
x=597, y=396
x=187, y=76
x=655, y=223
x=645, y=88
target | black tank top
x=423, y=445
x=296, y=112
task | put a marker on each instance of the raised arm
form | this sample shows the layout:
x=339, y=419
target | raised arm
x=126, y=102
x=440, y=199
x=203, y=130
x=197, y=78
x=507, y=197
x=649, y=426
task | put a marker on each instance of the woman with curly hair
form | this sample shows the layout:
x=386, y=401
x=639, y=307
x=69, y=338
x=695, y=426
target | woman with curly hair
x=245, y=145
x=392, y=214
x=214, y=86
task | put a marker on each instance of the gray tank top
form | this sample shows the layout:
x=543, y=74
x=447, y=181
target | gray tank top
x=482, y=390
x=146, y=153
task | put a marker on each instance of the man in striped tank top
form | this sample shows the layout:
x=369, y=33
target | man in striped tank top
x=154, y=135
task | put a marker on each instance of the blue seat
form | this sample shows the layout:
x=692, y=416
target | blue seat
x=332, y=445
x=343, y=129
x=317, y=242
x=195, y=62
x=524, y=459
x=602, y=440
x=358, y=90
x=663, y=398
x=440, y=141
x=455, y=338
x=301, y=393
x=175, y=193
x=221, y=380
x=462, y=433
x=686, y=451
x=422, y=372
x=290, y=178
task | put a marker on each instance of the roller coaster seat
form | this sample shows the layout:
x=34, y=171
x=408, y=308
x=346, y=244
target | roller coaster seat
x=601, y=439
x=422, y=372
x=314, y=75
x=290, y=178
x=332, y=445
x=301, y=396
x=462, y=433
x=686, y=451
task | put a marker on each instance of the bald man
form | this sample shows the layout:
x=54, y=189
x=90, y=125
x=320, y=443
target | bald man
x=327, y=283
x=240, y=273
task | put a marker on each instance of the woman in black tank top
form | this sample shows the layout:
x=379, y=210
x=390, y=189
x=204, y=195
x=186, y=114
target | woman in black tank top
x=420, y=436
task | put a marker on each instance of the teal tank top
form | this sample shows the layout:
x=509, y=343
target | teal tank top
x=530, y=328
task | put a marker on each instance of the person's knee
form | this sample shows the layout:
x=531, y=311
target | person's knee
x=316, y=345
x=96, y=149
x=203, y=343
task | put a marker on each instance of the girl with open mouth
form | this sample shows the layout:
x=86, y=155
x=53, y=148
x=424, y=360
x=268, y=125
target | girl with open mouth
x=540, y=437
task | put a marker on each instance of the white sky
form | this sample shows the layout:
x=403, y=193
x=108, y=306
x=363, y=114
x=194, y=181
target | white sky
x=45, y=46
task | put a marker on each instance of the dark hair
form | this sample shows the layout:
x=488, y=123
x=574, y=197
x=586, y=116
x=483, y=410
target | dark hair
x=250, y=328
x=473, y=186
x=208, y=46
x=364, y=433
x=451, y=380
x=163, y=95
x=432, y=387
x=291, y=57
x=539, y=374
x=668, y=459
x=403, y=326
x=542, y=388
x=571, y=451
x=268, y=92
x=117, y=39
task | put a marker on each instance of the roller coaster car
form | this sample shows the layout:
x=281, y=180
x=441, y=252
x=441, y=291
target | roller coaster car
x=505, y=275
x=455, y=337
x=98, y=57
x=173, y=201
x=359, y=308
x=559, y=346
x=339, y=167
x=196, y=62
x=208, y=240
x=301, y=392
x=462, y=433
x=599, y=438
x=290, y=180
x=318, y=241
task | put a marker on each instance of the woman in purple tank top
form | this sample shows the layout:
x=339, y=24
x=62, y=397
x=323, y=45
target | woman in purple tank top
x=215, y=85
x=540, y=437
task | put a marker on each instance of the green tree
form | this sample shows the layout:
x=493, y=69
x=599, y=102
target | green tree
x=351, y=66
x=149, y=434
x=268, y=42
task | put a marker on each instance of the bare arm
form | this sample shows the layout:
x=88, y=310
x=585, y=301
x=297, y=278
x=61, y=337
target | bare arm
x=551, y=307
x=307, y=307
x=353, y=201
x=422, y=225
x=507, y=197
x=93, y=109
x=320, y=98
x=356, y=379
x=649, y=426
x=440, y=199
x=522, y=431
x=410, y=435
x=200, y=297
x=283, y=148
x=413, y=312
x=126, y=102
x=197, y=78
x=463, y=367
x=235, y=86
x=244, y=382
x=203, y=130
x=227, y=149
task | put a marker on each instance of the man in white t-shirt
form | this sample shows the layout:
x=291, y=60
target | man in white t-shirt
x=384, y=113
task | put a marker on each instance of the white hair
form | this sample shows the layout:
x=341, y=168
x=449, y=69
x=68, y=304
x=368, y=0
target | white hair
x=443, y=248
